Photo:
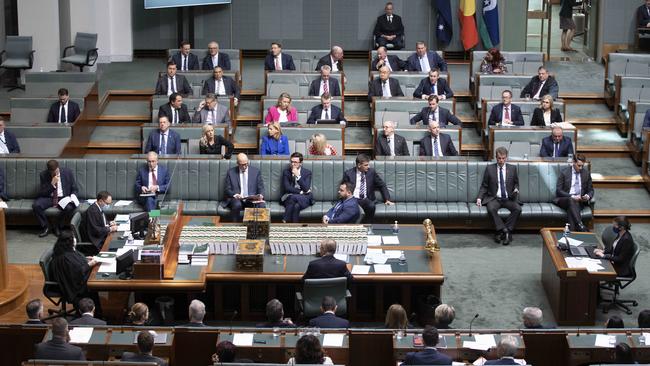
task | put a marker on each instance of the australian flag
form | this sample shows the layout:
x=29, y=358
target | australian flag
x=444, y=29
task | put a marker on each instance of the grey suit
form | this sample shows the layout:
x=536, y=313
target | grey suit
x=221, y=115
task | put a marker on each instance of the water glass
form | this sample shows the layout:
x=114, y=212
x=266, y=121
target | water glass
x=399, y=335
x=276, y=332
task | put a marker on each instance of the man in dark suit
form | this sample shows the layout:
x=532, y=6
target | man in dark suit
x=541, y=85
x=329, y=318
x=622, y=250
x=433, y=85
x=334, y=59
x=221, y=85
x=145, y=350
x=8, y=141
x=65, y=110
x=500, y=189
x=646, y=117
x=185, y=59
x=210, y=111
x=34, y=310
x=393, y=62
x=506, y=113
x=58, y=347
x=366, y=181
x=643, y=15
x=437, y=144
x=244, y=188
x=296, y=184
x=214, y=58
x=326, y=111
x=435, y=113
x=87, y=310
x=506, y=351
x=3, y=192
x=57, y=186
x=172, y=83
x=97, y=226
x=196, y=313
x=277, y=61
x=423, y=61
x=151, y=180
x=346, y=210
x=573, y=191
x=175, y=110
x=430, y=355
x=389, y=143
x=384, y=86
x=327, y=266
x=275, y=316
x=163, y=141
x=325, y=84
x=557, y=145
x=389, y=29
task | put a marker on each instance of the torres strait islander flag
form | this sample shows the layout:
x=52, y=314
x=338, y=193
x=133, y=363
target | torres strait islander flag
x=468, y=33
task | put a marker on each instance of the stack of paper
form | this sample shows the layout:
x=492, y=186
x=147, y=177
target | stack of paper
x=390, y=240
x=243, y=339
x=383, y=268
x=122, y=203
x=604, y=340
x=108, y=261
x=333, y=339
x=481, y=342
x=592, y=265
x=360, y=269
x=80, y=334
x=200, y=255
x=184, y=253
x=374, y=240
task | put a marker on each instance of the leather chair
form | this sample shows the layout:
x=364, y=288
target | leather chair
x=389, y=45
x=619, y=283
x=51, y=288
x=85, y=51
x=83, y=245
x=313, y=291
x=18, y=55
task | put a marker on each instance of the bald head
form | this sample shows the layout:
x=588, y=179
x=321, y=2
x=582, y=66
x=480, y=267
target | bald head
x=242, y=161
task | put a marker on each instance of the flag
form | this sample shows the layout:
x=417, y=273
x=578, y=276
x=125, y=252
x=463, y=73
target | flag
x=468, y=33
x=491, y=19
x=483, y=33
x=444, y=28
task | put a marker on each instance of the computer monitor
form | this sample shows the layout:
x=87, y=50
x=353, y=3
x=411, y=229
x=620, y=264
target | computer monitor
x=124, y=264
x=139, y=224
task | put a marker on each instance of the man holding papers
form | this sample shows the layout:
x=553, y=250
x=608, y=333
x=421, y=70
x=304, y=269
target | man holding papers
x=151, y=180
x=327, y=266
x=244, y=188
x=346, y=210
x=58, y=189
x=97, y=226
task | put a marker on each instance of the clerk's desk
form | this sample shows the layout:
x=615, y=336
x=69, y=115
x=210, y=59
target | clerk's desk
x=371, y=294
x=572, y=292
x=582, y=348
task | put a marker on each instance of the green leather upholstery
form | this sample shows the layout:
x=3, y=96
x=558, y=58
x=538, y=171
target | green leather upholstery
x=306, y=60
x=490, y=87
x=233, y=54
x=408, y=80
x=625, y=64
x=527, y=109
x=299, y=137
x=632, y=88
x=521, y=63
x=197, y=77
x=303, y=105
x=27, y=110
x=47, y=84
x=414, y=135
x=292, y=82
x=401, y=109
x=187, y=132
x=520, y=141
x=41, y=139
x=403, y=55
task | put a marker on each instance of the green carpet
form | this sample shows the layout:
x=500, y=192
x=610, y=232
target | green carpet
x=599, y=136
x=614, y=166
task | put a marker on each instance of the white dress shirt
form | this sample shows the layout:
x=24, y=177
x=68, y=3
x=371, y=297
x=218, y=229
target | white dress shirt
x=169, y=84
x=59, y=187
x=215, y=60
x=326, y=114
x=184, y=62
x=536, y=96
x=277, y=61
x=219, y=88
x=391, y=144
x=283, y=115
x=576, y=183
x=436, y=114
x=424, y=63
x=335, y=65
x=505, y=177
x=212, y=116
x=385, y=88
x=103, y=218
x=243, y=182
x=357, y=186
x=3, y=144
x=321, y=90
x=547, y=118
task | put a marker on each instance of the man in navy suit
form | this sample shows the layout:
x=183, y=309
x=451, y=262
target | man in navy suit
x=646, y=119
x=506, y=113
x=95, y=222
x=506, y=351
x=573, y=191
x=437, y=144
x=65, y=110
x=325, y=84
x=435, y=113
x=329, y=318
x=244, y=188
x=221, y=85
x=145, y=350
x=163, y=141
x=389, y=28
x=175, y=110
x=185, y=59
x=296, y=182
x=384, y=86
x=423, y=61
x=334, y=59
x=433, y=85
x=346, y=210
x=541, y=85
x=384, y=59
x=3, y=192
x=389, y=143
x=34, y=310
x=58, y=347
x=366, y=181
x=327, y=266
x=214, y=58
x=277, y=61
x=8, y=141
x=172, y=83
x=57, y=184
x=557, y=145
x=326, y=110
x=151, y=180
x=430, y=355
x=643, y=15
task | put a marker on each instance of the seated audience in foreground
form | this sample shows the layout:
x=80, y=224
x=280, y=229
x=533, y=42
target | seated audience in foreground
x=396, y=318
x=210, y=111
x=327, y=266
x=540, y=85
x=329, y=319
x=326, y=111
x=8, y=142
x=175, y=111
x=145, y=350
x=433, y=85
x=278, y=61
x=532, y=318
x=65, y=110
x=644, y=319
x=493, y=62
x=437, y=144
x=58, y=347
x=184, y=58
x=546, y=115
x=624, y=354
x=138, y=315
x=275, y=316
x=430, y=355
x=212, y=144
x=389, y=143
x=274, y=143
x=34, y=310
x=384, y=86
x=196, y=314
x=506, y=113
x=87, y=310
x=227, y=352
x=325, y=84
x=282, y=111
x=506, y=351
x=319, y=146
x=615, y=322
x=444, y=315
x=434, y=112
x=346, y=210
x=309, y=351
x=557, y=145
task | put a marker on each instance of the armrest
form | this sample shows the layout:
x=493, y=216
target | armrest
x=65, y=49
x=92, y=52
x=87, y=248
x=348, y=294
x=31, y=59
x=2, y=53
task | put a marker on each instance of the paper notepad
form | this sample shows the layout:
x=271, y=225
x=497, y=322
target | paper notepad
x=242, y=339
x=383, y=268
x=80, y=334
x=374, y=240
x=604, y=340
x=390, y=240
x=121, y=218
x=360, y=269
x=124, y=227
x=343, y=257
x=573, y=242
x=333, y=339
x=122, y=203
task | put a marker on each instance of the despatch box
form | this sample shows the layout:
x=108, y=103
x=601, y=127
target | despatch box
x=249, y=255
x=258, y=223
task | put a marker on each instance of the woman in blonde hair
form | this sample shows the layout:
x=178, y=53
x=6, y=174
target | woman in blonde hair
x=319, y=146
x=139, y=314
x=282, y=111
x=396, y=318
x=546, y=115
x=275, y=143
x=211, y=144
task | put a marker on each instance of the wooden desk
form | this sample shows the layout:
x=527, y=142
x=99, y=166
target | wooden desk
x=582, y=349
x=572, y=292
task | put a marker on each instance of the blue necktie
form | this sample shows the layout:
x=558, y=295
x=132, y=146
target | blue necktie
x=502, y=184
x=556, y=154
x=163, y=144
x=336, y=209
x=63, y=120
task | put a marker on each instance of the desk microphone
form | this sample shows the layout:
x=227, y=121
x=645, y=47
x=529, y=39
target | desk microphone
x=171, y=178
x=640, y=91
x=627, y=62
x=470, y=324
x=232, y=318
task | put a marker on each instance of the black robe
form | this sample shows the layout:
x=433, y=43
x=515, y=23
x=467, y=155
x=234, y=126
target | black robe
x=71, y=270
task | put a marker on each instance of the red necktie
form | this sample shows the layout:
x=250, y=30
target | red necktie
x=277, y=64
x=507, y=113
x=55, y=198
x=326, y=87
x=154, y=180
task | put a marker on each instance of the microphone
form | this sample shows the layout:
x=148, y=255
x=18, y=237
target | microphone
x=171, y=178
x=470, y=324
x=627, y=62
x=232, y=318
x=641, y=91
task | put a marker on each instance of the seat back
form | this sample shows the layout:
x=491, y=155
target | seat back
x=400, y=110
x=34, y=109
x=306, y=60
x=18, y=47
x=408, y=80
x=632, y=88
x=627, y=64
x=292, y=82
x=635, y=256
x=414, y=135
x=75, y=223
x=637, y=115
x=84, y=42
x=517, y=63
x=44, y=262
x=315, y=289
x=233, y=53
x=47, y=84
x=303, y=106
x=527, y=109
x=522, y=140
x=608, y=236
x=490, y=87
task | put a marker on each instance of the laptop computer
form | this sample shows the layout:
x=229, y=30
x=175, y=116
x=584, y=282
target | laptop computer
x=583, y=251
x=326, y=122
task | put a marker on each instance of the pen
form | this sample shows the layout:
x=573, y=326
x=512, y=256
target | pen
x=260, y=342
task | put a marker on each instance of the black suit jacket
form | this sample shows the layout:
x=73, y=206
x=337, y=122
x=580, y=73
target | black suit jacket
x=86, y=319
x=95, y=228
x=383, y=26
x=332, y=82
x=329, y=320
x=642, y=16
x=622, y=255
x=11, y=142
x=58, y=349
x=3, y=192
x=232, y=89
x=426, y=88
x=490, y=184
x=373, y=183
x=141, y=357
x=73, y=112
x=192, y=61
x=182, y=85
x=375, y=90
x=427, y=356
x=327, y=267
x=396, y=64
x=287, y=62
x=69, y=183
x=496, y=115
x=304, y=182
x=223, y=61
x=546, y=150
x=538, y=117
x=382, y=148
x=446, y=145
x=444, y=117
x=317, y=110
x=183, y=114
x=550, y=87
x=326, y=60
x=563, y=185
